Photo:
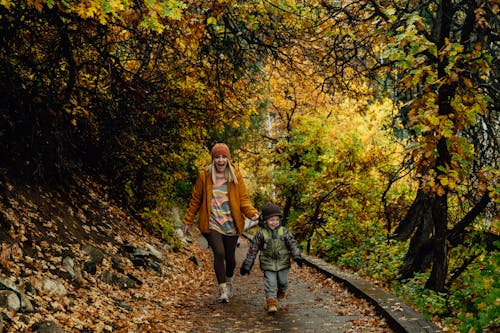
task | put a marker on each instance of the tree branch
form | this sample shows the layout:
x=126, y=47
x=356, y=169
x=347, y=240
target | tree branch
x=456, y=235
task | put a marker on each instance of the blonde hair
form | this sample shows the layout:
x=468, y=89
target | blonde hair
x=229, y=172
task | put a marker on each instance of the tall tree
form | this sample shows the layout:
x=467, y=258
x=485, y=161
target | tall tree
x=454, y=94
x=439, y=61
x=131, y=89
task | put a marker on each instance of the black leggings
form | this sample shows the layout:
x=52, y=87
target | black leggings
x=223, y=248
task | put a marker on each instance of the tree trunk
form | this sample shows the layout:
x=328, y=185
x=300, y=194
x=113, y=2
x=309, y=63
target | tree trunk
x=437, y=279
x=418, y=216
x=440, y=200
x=419, y=254
x=286, y=210
x=426, y=246
x=456, y=235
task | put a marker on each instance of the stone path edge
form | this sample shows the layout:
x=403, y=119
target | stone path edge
x=401, y=317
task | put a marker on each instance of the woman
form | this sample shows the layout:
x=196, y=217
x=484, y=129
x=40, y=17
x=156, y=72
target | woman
x=221, y=198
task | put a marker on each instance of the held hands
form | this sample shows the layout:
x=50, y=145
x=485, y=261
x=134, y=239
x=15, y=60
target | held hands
x=299, y=261
x=244, y=271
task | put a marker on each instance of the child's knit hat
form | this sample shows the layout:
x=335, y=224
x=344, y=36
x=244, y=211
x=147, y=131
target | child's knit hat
x=269, y=210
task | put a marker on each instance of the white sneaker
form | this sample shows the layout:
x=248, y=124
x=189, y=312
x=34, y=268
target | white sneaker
x=223, y=293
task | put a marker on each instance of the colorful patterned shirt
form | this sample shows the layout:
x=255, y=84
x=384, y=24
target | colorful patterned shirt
x=221, y=219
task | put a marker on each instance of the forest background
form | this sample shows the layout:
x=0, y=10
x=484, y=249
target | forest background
x=373, y=123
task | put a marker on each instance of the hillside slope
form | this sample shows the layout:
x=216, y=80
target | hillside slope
x=81, y=264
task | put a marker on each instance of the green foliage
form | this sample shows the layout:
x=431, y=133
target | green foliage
x=428, y=302
x=470, y=305
x=334, y=246
x=381, y=258
x=476, y=297
x=473, y=297
x=372, y=256
x=157, y=221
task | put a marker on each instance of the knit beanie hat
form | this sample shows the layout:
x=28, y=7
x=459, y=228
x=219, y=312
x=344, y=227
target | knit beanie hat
x=220, y=149
x=269, y=210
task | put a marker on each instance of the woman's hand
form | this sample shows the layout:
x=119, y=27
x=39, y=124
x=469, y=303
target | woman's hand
x=255, y=217
x=185, y=230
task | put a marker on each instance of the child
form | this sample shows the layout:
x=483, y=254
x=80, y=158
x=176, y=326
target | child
x=276, y=245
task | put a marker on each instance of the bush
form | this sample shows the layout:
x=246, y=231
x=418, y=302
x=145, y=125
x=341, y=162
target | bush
x=427, y=302
x=476, y=299
x=160, y=224
x=382, y=258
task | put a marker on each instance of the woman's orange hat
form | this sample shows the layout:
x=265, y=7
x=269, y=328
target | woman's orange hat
x=221, y=149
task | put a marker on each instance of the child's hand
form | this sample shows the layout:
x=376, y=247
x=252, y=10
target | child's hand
x=244, y=271
x=299, y=261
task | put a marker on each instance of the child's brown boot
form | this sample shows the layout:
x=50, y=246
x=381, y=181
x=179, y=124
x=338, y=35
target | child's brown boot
x=271, y=305
x=281, y=295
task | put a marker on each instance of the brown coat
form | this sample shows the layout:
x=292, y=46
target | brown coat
x=201, y=197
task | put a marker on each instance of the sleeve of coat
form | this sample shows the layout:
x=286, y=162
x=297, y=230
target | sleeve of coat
x=292, y=245
x=253, y=250
x=246, y=205
x=195, y=202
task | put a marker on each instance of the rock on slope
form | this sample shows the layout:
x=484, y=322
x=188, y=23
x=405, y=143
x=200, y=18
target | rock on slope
x=72, y=261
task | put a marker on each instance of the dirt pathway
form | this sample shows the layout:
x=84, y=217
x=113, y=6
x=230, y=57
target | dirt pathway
x=313, y=304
